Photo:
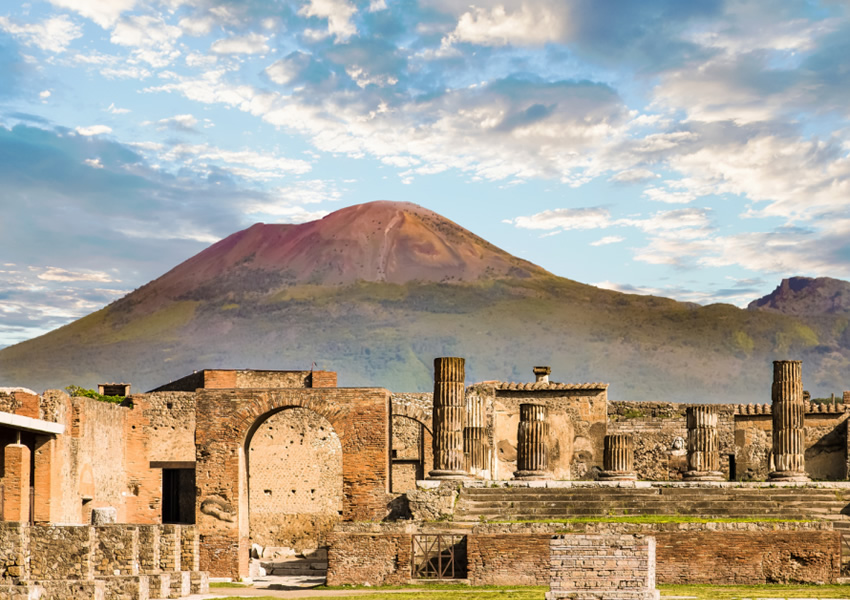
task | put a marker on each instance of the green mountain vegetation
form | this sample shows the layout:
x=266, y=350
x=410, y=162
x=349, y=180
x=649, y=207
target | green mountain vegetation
x=504, y=318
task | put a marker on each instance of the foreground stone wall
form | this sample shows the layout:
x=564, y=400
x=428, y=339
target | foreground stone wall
x=507, y=554
x=111, y=561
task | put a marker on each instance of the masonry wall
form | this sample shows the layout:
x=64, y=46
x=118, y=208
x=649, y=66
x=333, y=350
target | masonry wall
x=295, y=480
x=655, y=427
x=577, y=426
x=508, y=559
x=369, y=559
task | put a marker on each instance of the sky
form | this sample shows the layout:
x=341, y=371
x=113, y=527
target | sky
x=695, y=150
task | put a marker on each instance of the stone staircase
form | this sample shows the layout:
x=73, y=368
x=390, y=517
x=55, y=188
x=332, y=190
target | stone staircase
x=529, y=503
x=295, y=571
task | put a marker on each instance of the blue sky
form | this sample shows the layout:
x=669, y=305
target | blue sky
x=697, y=150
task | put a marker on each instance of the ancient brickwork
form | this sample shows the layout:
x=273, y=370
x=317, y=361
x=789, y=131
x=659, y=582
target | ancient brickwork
x=658, y=429
x=602, y=566
x=116, y=550
x=227, y=418
x=14, y=544
x=295, y=479
x=508, y=559
x=219, y=379
x=367, y=559
x=412, y=443
x=61, y=552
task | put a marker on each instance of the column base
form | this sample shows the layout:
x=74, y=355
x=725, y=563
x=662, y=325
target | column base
x=529, y=475
x=448, y=474
x=788, y=476
x=703, y=476
x=617, y=476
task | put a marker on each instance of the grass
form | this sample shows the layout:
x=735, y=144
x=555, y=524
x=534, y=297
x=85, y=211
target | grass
x=699, y=592
x=227, y=584
x=651, y=519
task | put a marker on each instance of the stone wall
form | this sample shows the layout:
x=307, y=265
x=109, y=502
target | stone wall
x=577, y=424
x=655, y=427
x=507, y=554
x=295, y=480
x=602, y=566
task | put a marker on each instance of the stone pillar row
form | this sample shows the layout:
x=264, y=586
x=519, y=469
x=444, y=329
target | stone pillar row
x=532, y=442
x=788, y=422
x=474, y=438
x=703, y=444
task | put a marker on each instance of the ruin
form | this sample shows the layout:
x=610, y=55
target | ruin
x=398, y=486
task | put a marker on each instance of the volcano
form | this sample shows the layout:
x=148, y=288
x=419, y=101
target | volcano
x=376, y=291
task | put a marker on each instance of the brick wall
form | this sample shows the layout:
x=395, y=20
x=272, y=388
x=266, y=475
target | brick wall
x=508, y=559
x=227, y=418
x=369, y=559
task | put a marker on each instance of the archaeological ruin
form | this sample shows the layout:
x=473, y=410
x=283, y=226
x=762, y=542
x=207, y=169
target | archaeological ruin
x=232, y=473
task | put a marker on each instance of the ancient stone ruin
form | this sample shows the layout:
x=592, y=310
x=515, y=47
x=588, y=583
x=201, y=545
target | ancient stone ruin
x=247, y=471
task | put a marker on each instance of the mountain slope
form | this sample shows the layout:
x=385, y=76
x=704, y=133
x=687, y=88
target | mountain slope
x=807, y=296
x=376, y=291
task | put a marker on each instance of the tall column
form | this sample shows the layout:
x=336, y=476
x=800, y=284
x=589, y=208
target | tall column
x=474, y=439
x=449, y=418
x=532, y=443
x=618, y=459
x=788, y=422
x=703, y=444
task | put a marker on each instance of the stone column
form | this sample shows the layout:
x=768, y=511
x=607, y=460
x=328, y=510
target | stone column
x=788, y=422
x=532, y=443
x=618, y=459
x=474, y=439
x=449, y=418
x=703, y=444
x=16, y=506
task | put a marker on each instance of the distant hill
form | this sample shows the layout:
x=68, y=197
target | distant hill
x=376, y=291
x=807, y=296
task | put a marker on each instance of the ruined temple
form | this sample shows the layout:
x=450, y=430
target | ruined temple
x=224, y=472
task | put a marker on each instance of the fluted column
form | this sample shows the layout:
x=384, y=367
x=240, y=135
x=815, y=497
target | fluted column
x=703, y=444
x=532, y=443
x=788, y=422
x=449, y=418
x=474, y=439
x=618, y=459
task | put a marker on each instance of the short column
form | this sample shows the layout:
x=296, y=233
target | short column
x=703, y=444
x=788, y=422
x=532, y=443
x=474, y=441
x=618, y=459
x=449, y=418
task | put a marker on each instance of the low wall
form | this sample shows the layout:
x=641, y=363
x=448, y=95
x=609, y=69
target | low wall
x=109, y=561
x=508, y=554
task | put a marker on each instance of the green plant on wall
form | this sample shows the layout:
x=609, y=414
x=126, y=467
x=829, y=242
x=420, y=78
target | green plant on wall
x=75, y=390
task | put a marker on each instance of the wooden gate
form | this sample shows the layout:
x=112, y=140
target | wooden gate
x=439, y=556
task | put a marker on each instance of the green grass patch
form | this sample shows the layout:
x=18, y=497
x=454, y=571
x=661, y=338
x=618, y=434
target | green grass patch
x=227, y=584
x=651, y=519
x=436, y=585
x=509, y=593
x=737, y=592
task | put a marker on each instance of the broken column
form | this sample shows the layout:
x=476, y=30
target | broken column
x=703, y=444
x=618, y=459
x=532, y=442
x=474, y=440
x=541, y=374
x=788, y=422
x=449, y=418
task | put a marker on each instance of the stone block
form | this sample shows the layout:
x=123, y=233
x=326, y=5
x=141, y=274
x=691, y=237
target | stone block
x=200, y=582
x=130, y=587
x=159, y=585
x=181, y=584
x=104, y=516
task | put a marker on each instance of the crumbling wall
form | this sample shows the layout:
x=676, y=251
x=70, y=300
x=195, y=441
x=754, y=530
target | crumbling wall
x=294, y=479
x=412, y=444
x=660, y=433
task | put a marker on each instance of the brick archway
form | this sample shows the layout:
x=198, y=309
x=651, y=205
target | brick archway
x=225, y=421
x=415, y=413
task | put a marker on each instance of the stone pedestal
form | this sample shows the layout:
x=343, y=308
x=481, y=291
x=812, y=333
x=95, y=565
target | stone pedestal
x=532, y=443
x=449, y=419
x=788, y=422
x=703, y=445
x=474, y=439
x=618, y=459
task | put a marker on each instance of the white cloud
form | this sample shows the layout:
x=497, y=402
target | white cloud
x=252, y=43
x=112, y=109
x=249, y=164
x=44, y=95
x=52, y=35
x=530, y=24
x=94, y=130
x=102, y=12
x=566, y=218
x=608, y=239
x=633, y=176
x=337, y=12
x=152, y=38
x=58, y=274
x=94, y=163
x=185, y=122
